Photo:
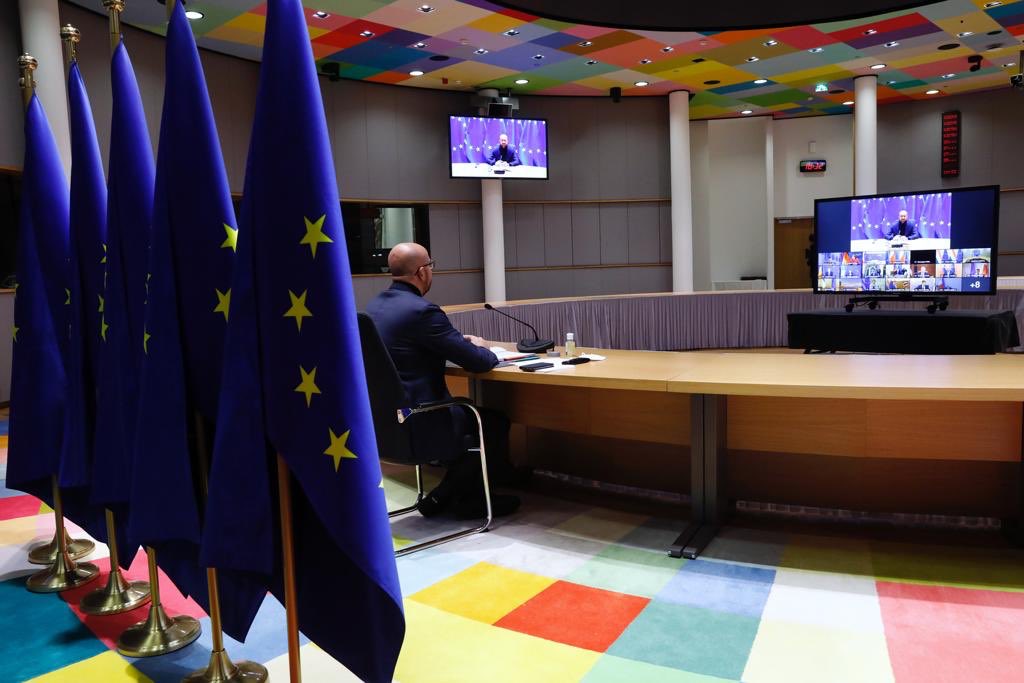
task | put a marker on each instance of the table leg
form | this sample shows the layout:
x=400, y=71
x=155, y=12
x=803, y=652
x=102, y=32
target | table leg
x=678, y=547
x=707, y=441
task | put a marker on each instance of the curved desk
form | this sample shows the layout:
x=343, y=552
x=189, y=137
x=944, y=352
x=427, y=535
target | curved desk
x=913, y=434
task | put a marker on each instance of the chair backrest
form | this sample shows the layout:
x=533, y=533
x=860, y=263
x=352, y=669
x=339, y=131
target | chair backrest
x=387, y=395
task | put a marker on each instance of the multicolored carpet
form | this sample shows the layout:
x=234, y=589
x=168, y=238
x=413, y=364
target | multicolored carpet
x=570, y=592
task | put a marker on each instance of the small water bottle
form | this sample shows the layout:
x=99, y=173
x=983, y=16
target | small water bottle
x=570, y=344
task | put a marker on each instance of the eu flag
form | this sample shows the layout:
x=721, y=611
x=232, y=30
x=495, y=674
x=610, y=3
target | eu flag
x=191, y=257
x=129, y=215
x=38, y=381
x=293, y=379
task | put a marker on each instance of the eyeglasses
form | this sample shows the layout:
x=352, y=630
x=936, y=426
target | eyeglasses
x=429, y=264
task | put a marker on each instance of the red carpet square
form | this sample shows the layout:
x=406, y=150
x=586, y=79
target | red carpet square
x=568, y=613
x=19, y=506
x=943, y=633
x=109, y=628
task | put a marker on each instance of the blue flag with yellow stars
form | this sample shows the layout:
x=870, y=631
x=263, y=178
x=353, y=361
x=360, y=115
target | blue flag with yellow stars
x=38, y=381
x=293, y=381
x=129, y=215
x=190, y=261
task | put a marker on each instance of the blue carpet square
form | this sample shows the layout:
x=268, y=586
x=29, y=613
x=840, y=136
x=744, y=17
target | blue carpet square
x=737, y=589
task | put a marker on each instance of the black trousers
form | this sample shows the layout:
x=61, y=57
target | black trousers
x=463, y=475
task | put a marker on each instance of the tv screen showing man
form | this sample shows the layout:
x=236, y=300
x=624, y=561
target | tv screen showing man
x=487, y=147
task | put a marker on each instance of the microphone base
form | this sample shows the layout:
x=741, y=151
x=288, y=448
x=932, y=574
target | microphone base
x=534, y=345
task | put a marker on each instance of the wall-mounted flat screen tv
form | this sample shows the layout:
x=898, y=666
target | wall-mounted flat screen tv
x=487, y=147
x=937, y=242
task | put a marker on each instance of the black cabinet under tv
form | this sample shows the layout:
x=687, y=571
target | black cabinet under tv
x=910, y=332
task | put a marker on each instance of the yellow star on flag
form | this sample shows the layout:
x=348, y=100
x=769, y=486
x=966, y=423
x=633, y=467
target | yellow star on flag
x=338, y=449
x=67, y=293
x=298, y=309
x=14, y=332
x=315, y=233
x=146, y=336
x=101, y=303
x=308, y=385
x=104, y=327
x=104, y=259
x=223, y=302
x=231, y=241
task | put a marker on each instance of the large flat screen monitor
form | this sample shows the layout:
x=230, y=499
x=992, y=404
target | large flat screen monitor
x=485, y=147
x=939, y=242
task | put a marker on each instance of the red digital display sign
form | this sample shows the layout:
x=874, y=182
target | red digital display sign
x=812, y=166
x=950, y=144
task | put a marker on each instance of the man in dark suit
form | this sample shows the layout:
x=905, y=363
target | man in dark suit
x=420, y=339
x=504, y=153
x=904, y=227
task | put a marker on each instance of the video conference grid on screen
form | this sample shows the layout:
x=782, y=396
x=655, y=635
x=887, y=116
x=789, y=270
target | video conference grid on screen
x=912, y=243
x=485, y=147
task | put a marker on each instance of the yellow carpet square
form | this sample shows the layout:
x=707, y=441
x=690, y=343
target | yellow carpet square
x=785, y=652
x=108, y=667
x=484, y=592
x=445, y=648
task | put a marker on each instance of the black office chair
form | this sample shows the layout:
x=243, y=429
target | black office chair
x=390, y=408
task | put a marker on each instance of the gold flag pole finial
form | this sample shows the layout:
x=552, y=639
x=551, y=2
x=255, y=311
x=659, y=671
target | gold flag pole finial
x=114, y=9
x=70, y=36
x=27, y=65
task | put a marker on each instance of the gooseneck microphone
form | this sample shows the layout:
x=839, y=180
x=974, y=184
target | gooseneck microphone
x=535, y=345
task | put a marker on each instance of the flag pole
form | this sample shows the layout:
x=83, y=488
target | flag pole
x=288, y=554
x=220, y=669
x=159, y=633
x=62, y=573
x=118, y=595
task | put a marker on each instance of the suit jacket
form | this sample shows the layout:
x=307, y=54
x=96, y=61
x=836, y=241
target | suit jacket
x=909, y=230
x=510, y=156
x=420, y=339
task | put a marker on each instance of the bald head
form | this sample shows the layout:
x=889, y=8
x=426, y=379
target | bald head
x=409, y=262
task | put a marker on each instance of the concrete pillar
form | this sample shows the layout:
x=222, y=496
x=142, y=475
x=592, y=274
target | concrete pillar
x=40, y=37
x=494, y=240
x=682, y=210
x=865, y=135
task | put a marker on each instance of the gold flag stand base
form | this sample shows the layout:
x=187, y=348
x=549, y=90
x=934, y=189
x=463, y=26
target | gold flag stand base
x=118, y=596
x=46, y=553
x=63, y=574
x=222, y=670
x=159, y=633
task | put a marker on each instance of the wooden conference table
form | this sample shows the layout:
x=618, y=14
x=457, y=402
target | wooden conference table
x=914, y=434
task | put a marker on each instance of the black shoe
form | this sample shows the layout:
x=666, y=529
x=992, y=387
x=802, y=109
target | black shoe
x=432, y=506
x=476, y=508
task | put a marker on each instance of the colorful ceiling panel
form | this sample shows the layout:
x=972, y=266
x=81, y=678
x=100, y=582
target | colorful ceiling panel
x=793, y=71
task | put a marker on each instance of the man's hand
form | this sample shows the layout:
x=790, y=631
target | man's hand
x=474, y=340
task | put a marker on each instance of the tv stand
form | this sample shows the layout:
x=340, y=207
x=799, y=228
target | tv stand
x=935, y=303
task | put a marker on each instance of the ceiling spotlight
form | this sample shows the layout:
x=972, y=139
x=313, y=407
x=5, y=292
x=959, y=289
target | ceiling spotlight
x=989, y=5
x=591, y=62
x=876, y=67
x=511, y=32
x=948, y=75
x=367, y=34
x=771, y=42
x=667, y=48
x=892, y=43
x=1008, y=65
x=964, y=34
x=821, y=87
x=585, y=43
x=745, y=112
x=949, y=46
x=538, y=57
x=848, y=103
x=761, y=81
x=426, y=9
x=890, y=82
x=522, y=81
x=931, y=92
x=415, y=72
x=641, y=84
x=816, y=50
x=753, y=59
x=645, y=61
x=993, y=46
x=420, y=46
x=480, y=51
x=870, y=32
x=193, y=15
x=320, y=14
